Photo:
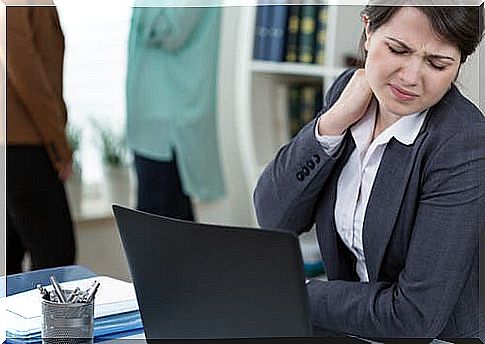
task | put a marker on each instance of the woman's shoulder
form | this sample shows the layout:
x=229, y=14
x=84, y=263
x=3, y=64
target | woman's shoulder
x=456, y=113
x=343, y=78
x=453, y=129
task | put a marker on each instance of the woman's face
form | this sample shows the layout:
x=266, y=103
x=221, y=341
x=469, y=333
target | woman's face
x=408, y=67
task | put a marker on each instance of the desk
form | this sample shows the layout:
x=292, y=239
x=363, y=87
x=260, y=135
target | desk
x=28, y=280
x=25, y=281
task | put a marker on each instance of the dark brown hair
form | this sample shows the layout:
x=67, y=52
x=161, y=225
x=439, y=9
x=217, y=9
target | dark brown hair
x=461, y=26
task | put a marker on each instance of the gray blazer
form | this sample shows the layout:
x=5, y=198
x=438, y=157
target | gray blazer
x=421, y=229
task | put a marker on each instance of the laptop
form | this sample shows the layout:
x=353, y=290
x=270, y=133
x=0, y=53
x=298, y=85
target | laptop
x=210, y=281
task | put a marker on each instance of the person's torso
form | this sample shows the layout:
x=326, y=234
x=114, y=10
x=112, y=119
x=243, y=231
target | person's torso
x=42, y=29
x=409, y=168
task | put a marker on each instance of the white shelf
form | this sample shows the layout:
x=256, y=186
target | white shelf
x=295, y=69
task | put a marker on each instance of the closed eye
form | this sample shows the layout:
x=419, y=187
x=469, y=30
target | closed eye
x=435, y=66
x=397, y=50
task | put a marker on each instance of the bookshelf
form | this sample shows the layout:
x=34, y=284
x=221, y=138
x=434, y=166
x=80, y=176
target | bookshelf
x=261, y=86
x=259, y=93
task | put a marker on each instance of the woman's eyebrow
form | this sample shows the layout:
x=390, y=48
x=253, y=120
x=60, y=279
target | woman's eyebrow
x=405, y=46
x=441, y=57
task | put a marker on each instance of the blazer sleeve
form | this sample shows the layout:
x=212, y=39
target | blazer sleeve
x=286, y=192
x=27, y=73
x=443, y=248
x=169, y=28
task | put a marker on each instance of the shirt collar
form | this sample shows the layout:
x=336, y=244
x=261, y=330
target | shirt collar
x=405, y=130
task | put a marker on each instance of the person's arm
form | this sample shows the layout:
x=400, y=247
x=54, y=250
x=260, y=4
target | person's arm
x=329, y=143
x=27, y=73
x=286, y=192
x=442, y=250
x=169, y=28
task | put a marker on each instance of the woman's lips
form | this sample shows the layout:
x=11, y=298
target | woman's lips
x=402, y=94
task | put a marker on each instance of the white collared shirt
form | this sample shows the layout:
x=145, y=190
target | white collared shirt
x=357, y=177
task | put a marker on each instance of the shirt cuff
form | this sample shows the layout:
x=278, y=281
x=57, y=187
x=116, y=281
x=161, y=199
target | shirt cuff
x=329, y=143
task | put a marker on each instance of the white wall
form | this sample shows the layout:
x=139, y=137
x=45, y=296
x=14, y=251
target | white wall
x=100, y=249
x=469, y=78
x=239, y=196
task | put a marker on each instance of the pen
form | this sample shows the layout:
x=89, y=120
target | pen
x=52, y=296
x=76, y=298
x=43, y=292
x=86, y=293
x=93, y=291
x=73, y=295
x=58, y=290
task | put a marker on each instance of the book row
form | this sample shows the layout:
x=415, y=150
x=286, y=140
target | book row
x=292, y=33
x=304, y=101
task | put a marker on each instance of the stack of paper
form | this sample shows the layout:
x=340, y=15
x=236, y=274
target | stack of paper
x=115, y=309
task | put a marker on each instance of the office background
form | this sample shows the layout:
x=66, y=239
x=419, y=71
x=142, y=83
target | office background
x=95, y=71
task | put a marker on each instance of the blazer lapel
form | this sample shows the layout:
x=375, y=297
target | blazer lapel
x=385, y=200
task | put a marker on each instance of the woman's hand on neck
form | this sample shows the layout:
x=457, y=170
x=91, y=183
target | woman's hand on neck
x=351, y=106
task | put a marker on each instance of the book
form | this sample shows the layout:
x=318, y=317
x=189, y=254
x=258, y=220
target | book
x=292, y=33
x=281, y=118
x=311, y=102
x=319, y=99
x=277, y=32
x=304, y=103
x=261, y=32
x=321, y=34
x=294, y=92
x=307, y=33
x=307, y=104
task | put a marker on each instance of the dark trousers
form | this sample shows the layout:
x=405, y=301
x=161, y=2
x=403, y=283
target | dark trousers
x=38, y=217
x=160, y=190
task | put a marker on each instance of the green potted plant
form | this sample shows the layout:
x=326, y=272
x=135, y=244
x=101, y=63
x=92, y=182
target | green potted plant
x=73, y=185
x=74, y=136
x=116, y=166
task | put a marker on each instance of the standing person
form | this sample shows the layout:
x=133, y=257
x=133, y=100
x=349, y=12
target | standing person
x=38, y=155
x=389, y=172
x=171, y=107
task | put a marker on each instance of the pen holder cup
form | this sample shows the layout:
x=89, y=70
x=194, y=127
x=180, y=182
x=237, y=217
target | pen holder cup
x=67, y=323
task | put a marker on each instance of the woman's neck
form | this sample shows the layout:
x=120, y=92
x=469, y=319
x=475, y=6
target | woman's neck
x=383, y=121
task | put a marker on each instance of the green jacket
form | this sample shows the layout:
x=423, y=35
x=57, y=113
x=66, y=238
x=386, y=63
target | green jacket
x=171, y=92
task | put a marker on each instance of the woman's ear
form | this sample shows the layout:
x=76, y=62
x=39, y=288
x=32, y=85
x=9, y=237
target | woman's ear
x=366, y=22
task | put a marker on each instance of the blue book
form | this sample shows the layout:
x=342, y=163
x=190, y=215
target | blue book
x=261, y=33
x=277, y=33
x=307, y=33
x=321, y=35
x=292, y=33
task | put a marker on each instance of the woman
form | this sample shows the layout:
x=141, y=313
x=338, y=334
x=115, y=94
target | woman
x=389, y=173
x=39, y=159
x=171, y=106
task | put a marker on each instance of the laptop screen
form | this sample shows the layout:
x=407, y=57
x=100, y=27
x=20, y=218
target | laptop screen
x=210, y=281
